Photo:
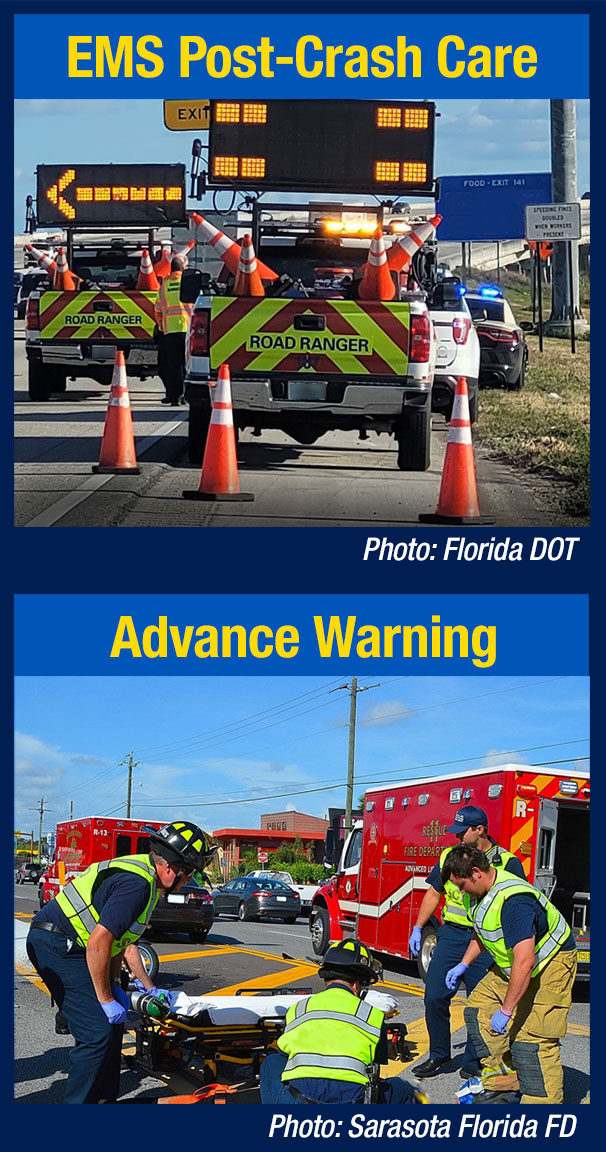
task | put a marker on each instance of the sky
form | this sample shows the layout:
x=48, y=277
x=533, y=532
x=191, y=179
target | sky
x=222, y=752
x=473, y=137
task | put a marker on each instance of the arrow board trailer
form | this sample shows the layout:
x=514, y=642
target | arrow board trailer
x=110, y=195
x=541, y=817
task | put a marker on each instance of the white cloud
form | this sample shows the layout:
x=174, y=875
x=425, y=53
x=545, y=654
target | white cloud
x=387, y=712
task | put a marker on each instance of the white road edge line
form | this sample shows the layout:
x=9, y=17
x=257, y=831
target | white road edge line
x=92, y=484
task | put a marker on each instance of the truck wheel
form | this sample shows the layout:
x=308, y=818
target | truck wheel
x=319, y=927
x=429, y=940
x=40, y=381
x=199, y=420
x=413, y=435
x=473, y=406
x=243, y=913
x=59, y=382
x=41, y=897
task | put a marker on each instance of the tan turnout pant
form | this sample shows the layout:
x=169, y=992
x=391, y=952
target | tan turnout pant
x=531, y=1044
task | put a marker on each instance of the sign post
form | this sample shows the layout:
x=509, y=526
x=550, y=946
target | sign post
x=555, y=223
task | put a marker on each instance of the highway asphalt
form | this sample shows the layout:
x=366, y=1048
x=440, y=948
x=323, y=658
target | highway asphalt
x=337, y=482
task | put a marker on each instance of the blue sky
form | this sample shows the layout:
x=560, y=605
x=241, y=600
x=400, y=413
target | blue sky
x=217, y=750
x=472, y=137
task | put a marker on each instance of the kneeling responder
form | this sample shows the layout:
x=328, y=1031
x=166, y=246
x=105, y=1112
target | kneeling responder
x=518, y=1012
x=331, y=1038
x=76, y=943
x=172, y=321
x=454, y=934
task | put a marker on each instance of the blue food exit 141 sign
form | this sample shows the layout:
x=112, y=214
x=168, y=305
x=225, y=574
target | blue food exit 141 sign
x=489, y=207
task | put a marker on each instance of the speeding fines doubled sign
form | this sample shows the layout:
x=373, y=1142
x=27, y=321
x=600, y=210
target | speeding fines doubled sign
x=322, y=145
x=95, y=195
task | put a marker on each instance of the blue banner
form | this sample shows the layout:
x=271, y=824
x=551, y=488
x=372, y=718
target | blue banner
x=298, y=55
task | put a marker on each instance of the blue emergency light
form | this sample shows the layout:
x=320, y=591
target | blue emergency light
x=489, y=290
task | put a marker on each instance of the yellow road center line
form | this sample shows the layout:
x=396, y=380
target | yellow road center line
x=193, y=955
x=31, y=976
x=579, y=1029
x=273, y=980
x=416, y=1034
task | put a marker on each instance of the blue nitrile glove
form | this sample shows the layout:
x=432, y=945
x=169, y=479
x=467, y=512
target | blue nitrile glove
x=115, y=1013
x=500, y=1021
x=454, y=975
x=414, y=944
x=152, y=991
x=119, y=995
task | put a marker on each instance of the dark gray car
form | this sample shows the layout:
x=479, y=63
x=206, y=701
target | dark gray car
x=250, y=898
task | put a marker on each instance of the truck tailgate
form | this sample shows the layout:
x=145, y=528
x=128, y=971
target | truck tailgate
x=328, y=337
x=111, y=316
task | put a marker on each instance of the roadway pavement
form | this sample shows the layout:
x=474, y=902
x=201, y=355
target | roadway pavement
x=247, y=954
x=337, y=482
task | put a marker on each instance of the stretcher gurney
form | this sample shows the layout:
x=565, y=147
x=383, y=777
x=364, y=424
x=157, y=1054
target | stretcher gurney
x=229, y=1035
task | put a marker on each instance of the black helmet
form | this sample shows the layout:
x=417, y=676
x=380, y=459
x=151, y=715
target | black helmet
x=183, y=843
x=351, y=959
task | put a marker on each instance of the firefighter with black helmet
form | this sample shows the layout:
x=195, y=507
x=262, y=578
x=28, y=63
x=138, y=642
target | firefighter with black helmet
x=76, y=943
x=331, y=1039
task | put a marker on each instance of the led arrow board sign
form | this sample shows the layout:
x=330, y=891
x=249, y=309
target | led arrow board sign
x=96, y=195
x=322, y=145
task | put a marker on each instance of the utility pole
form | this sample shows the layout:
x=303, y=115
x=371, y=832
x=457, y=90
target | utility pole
x=40, y=812
x=564, y=191
x=71, y=809
x=354, y=690
x=132, y=764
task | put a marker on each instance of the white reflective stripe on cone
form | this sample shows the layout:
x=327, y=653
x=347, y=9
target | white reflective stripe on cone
x=460, y=408
x=222, y=416
x=222, y=393
x=459, y=435
x=119, y=402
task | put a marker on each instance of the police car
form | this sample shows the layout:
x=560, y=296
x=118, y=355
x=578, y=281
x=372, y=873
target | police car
x=457, y=346
x=503, y=348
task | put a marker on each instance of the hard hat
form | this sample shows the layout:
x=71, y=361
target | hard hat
x=183, y=843
x=353, y=957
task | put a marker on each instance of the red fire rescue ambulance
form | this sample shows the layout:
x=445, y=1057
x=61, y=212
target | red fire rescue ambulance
x=541, y=816
x=83, y=842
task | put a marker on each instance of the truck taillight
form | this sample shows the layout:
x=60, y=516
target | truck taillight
x=32, y=315
x=198, y=333
x=420, y=339
x=461, y=327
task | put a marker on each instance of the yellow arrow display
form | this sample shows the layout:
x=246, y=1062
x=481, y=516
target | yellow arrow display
x=55, y=197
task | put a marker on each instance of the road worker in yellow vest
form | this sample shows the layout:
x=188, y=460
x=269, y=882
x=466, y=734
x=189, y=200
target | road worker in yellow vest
x=172, y=321
x=332, y=1038
x=518, y=1013
x=454, y=934
x=76, y=943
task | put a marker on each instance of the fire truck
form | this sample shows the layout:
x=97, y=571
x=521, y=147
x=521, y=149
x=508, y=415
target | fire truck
x=381, y=878
x=84, y=842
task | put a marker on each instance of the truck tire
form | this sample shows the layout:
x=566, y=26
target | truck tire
x=40, y=380
x=41, y=897
x=59, y=383
x=413, y=436
x=319, y=927
x=429, y=939
x=197, y=432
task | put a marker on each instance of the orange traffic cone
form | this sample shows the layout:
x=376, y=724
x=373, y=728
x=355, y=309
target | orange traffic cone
x=147, y=280
x=184, y=251
x=219, y=479
x=43, y=259
x=118, y=444
x=63, y=280
x=458, y=499
x=400, y=254
x=228, y=249
x=376, y=282
x=248, y=282
x=162, y=264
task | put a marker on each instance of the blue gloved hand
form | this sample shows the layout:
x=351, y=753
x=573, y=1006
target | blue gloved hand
x=120, y=995
x=155, y=991
x=414, y=944
x=500, y=1021
x=454, y=975
x=115, y=1013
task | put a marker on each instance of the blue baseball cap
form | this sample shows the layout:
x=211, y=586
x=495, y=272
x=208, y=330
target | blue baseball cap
x=468, y=817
